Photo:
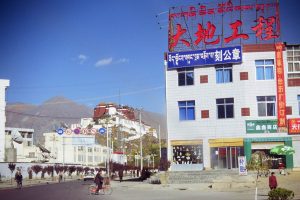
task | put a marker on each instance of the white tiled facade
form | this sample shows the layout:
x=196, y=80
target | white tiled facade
x=75, y=149
x=3, y=85
x=205, y=94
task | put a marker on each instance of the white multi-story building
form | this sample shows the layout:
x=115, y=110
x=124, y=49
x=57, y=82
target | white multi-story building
x=75, y=149
x=25, y=151
x=219, y=112
x=3, y=85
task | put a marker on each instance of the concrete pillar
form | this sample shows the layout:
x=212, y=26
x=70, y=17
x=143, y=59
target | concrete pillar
x=206, y=154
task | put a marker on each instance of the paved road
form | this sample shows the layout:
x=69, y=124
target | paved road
x=77, y=190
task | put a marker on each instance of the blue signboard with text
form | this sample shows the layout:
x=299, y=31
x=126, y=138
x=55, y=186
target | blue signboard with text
x=204, y=57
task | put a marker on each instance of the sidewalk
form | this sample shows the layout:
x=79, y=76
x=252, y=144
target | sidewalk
x=7, y=184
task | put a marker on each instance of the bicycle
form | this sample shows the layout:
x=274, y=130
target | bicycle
x=106, y=188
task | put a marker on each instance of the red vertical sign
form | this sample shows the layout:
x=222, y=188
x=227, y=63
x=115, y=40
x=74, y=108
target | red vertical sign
x=281, y=98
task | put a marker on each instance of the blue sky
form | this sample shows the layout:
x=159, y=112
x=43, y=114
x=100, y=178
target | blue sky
x=94, y=51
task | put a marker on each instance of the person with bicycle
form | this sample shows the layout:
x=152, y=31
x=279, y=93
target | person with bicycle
x=19, y=178
x=98, y=181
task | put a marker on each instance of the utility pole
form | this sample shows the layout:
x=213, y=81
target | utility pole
x=141, y=139
x=159, y=141
x=107, y=150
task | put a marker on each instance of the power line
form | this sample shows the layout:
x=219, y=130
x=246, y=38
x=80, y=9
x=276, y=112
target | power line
x=42, y=116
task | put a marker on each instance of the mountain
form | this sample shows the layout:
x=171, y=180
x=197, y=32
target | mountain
x=57, y=110
x=47, y=116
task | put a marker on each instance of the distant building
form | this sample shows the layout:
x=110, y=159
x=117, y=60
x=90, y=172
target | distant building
x=75, y=149
x=3, y=85
x=123, y=117
x=24, y=152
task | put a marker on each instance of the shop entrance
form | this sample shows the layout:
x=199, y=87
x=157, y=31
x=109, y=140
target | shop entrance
x=225, y=157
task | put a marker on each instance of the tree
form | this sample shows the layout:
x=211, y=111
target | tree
x=79, y=170
x=50, y=170
x=36, y=169
x=86, y=169
x=44, y=170
x=71, y=169
x=260, y=164
x=12, y=167
x=58, y=169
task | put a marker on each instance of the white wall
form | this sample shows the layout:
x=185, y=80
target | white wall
x=205, y=95
x=3, y=85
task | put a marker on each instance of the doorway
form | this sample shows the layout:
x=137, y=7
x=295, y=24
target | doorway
x=225, y=157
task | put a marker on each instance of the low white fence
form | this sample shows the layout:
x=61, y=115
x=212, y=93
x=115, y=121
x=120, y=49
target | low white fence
x=24, y=167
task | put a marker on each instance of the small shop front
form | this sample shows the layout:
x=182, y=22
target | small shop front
x=187, y=155
x=265, y=144
x=224, y=152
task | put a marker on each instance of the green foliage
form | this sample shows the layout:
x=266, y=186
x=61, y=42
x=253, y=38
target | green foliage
x=281, y=194
x=258, y=162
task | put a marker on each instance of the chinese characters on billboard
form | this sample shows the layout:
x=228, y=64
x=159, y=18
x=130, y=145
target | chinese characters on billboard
x=281, y=101
x=294, y=126
x=223, y=24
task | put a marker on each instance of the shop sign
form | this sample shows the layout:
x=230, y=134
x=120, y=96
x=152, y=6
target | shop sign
x=242, y=165
x=261, y=126
x=205, y=57
x=294, y=126
x=281, y=102
x=223, y=23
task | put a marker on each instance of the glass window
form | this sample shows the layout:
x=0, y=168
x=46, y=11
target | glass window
x=80, y=148
x=188, y=154
x=266, y=105
x=225, y=108
x=186, y=76
x=224, y=74
x=264, y=69
x=186, y=110
x=293, y=62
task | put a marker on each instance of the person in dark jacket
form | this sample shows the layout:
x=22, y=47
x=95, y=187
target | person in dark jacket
x=19, y=178
x=272, y=181
x=98, y=181
x=121, y=175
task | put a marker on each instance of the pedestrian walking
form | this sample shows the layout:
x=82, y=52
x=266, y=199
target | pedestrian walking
x=272, y=181
x=98, y=181
x=19, y=179
x=121, y=175
x=60, y=176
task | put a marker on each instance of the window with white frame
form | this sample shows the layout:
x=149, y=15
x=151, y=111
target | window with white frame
x=185, y=76
x=266, y=105
x=80, y=148
x=186, y=110
x=293, y=58
x=225, y=108
x=81, y=158
x=224, y=74
x=264, y=69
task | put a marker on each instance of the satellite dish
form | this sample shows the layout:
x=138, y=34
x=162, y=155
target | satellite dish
x=16, y=137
